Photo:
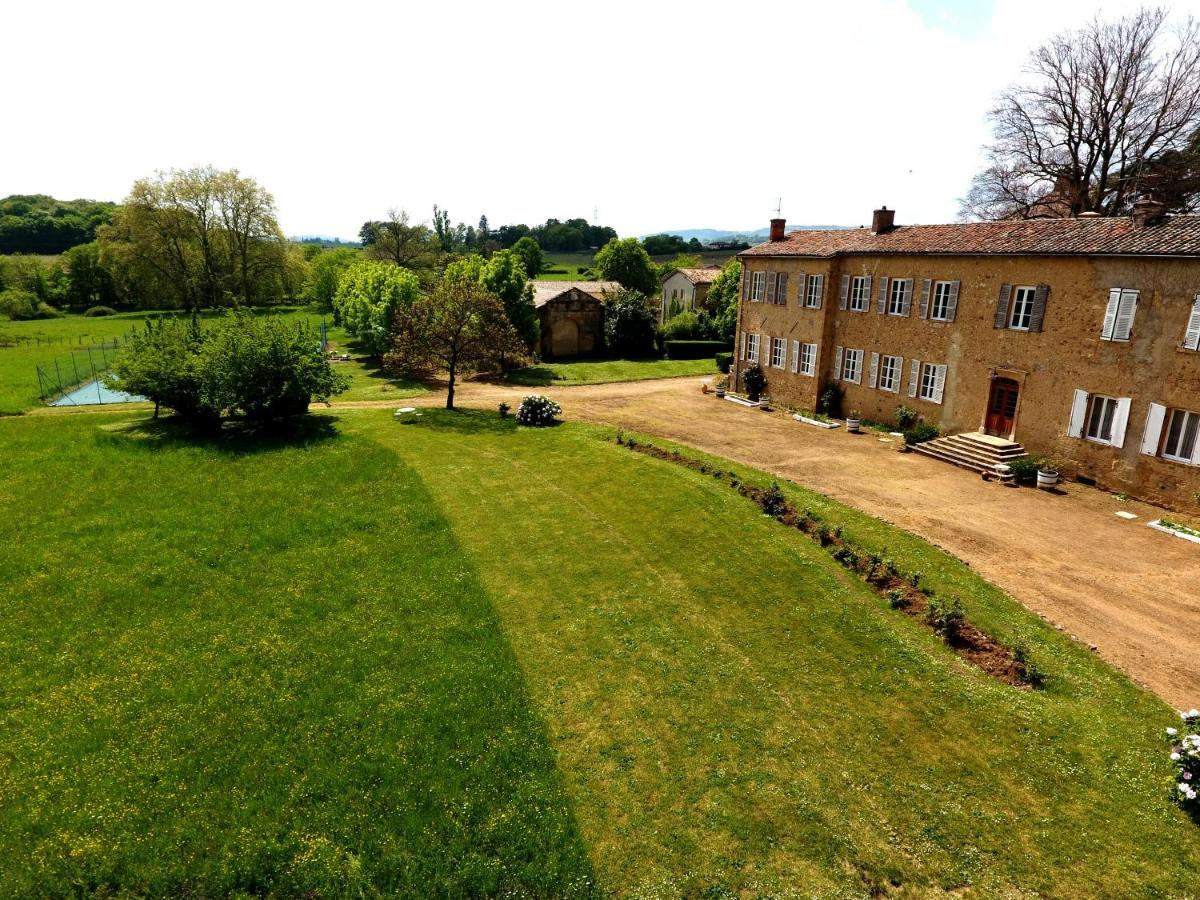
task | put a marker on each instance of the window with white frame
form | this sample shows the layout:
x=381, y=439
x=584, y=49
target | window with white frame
x=860, y=293
x=815, y=287
x=1182, y=429
x=889, y=373
x=752, y=347
x=808, y=359
x=899, y=295
x=852, y=366
x=758, y=286
x=1102, y=412
x=1021, y=313
x=778, y=353
x=940, y=310
x=1119, y=314
x=933, y=382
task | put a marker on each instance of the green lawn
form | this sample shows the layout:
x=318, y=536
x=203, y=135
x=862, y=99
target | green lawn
x=599, y=371
x=26, y=345
x=462, y=657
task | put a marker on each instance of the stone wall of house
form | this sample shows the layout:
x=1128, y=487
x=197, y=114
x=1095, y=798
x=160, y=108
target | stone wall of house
x=1067, y=355
x=572, y=324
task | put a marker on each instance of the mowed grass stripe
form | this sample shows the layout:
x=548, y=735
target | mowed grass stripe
x=731, y=711
x=255, y=668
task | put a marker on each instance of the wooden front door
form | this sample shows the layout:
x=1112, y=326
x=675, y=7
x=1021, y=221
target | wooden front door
x=1002, y=407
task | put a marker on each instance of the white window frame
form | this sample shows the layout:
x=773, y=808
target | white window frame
x=752, y=348
x=890, y=369
x=1191, y=418
x=1107, y=407
x=852, y=362
x=1021, y=307
x=758, y=286
x=932, y=385
x=896, y=291
x=942, y=292
x=808, y=360
x=860, y=294
x=814, y=291
x=778, y=359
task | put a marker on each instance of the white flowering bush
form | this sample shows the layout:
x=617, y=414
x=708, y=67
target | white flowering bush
x=537, y=411
x=1185, y=754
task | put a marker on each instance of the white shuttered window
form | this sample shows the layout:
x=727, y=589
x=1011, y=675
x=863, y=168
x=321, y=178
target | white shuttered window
x=1191, y=337
x=1118, y=315
x=808, y=359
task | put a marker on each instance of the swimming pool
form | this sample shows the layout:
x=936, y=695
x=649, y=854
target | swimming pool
x=95, y=392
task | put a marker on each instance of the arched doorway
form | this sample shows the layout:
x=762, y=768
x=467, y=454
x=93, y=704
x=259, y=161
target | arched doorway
x=564, y=338
x=1002, y=407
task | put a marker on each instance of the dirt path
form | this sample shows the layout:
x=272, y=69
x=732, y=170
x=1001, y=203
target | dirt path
x=1132, y=592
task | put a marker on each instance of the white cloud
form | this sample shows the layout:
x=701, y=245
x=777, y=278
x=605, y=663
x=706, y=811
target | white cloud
x=662, y=115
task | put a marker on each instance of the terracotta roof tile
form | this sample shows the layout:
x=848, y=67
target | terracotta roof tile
x=1172, y=236
x=700, y=275
x=545, y=291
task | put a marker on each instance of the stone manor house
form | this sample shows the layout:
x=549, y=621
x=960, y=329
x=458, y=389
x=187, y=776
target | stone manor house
x=1078, y=338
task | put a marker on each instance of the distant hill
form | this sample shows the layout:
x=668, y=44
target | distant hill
x=40, y=224
x=708, y=235
x=323, y=241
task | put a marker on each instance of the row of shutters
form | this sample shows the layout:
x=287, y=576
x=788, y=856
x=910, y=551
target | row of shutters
x=914, y=374
x=1156, y=417
x=776, y=285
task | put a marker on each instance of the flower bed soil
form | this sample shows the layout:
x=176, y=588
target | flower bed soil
x=966, y=640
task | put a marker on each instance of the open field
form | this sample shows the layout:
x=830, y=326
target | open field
x=567, y=266
x=387, y=656
x=599, y=371
x=25, y=345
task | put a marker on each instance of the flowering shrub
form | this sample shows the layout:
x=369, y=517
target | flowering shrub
x=537, y=411
x=1185, y=754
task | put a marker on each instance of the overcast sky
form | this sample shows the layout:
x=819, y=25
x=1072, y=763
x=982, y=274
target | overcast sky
x=659, y=115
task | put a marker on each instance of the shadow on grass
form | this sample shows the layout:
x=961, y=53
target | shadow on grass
x=235, y=437
x=464, y=421
x=533, y=376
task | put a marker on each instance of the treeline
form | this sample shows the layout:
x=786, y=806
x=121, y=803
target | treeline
x=38, y=224
x=571, y=236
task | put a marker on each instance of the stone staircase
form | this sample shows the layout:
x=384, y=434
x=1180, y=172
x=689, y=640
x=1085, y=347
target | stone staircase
x=972, y=450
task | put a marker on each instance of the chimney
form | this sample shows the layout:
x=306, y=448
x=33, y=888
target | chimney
x=777, y=229
x=883, y=219
x=1147, y=212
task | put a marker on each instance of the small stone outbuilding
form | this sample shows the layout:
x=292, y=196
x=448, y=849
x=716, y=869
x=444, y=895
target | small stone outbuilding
x=686, y=290
x=571, y=314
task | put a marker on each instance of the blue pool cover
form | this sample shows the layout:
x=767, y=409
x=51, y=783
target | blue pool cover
x=95, y=392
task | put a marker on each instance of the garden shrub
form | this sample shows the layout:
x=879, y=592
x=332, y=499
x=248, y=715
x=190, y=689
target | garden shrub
x=1185, y=755
x=754, y=380
x=946, y=617
x=773, y=502
x=1033, y=674
x=692, y=349
x=906, y=417
x=1025, y=469
x=95, y=312
x=897, y=599
x=920, y=434
x=683, y=327
x=21, y=305
x=831, y=402
x=724, y=362
x=537, y=411
x=629, y=325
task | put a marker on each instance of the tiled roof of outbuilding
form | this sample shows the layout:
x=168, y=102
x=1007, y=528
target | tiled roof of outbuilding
x=700, y=275
x=545, y=291
x=1171, y=236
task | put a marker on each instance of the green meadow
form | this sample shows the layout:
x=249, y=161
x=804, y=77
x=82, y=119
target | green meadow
x=460, y=657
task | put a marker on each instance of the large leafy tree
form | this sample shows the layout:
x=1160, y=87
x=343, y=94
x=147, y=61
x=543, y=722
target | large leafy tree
x=530, y=254
x=400, y=241
x=461, y=327
x=720, y=318
x=369, y=293
x=325, y=268
x=626, y=261
x=502, y=274
x=209, y=237
x=36, y=223
x=629, y=324
x=89, y=283
x=1104, y=111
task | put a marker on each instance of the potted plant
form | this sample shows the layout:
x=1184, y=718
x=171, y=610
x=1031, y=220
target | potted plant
x=754, y=380
x=765, y=404
x=1047, y=474
x=853, y=421
x=504, y=408
x=720, y=384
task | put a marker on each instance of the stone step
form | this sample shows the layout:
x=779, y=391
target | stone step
x=965, y=451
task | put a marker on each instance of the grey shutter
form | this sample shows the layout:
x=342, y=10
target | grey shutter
x=801, y=285
x=914, y=376
x=772, y=278
x=873, y=377
x=781, y=291
x=844, y=292
x=883, y=298
x=1002, y=306
x=906, y=301
x=1127, y=309
x=745, y=285
x=820, y=290
x=1040, y=293
x=1191, y=337
x=837, y=364
x=952, y=302
x=867, y=295
x=926, y=289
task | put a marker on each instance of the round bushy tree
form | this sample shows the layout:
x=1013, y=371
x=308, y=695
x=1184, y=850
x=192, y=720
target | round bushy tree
x=627, y=262
x=629, y=324
x=367, y=297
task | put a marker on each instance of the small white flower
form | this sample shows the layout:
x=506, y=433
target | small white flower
x=1174, y=757
x=1171, y=732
